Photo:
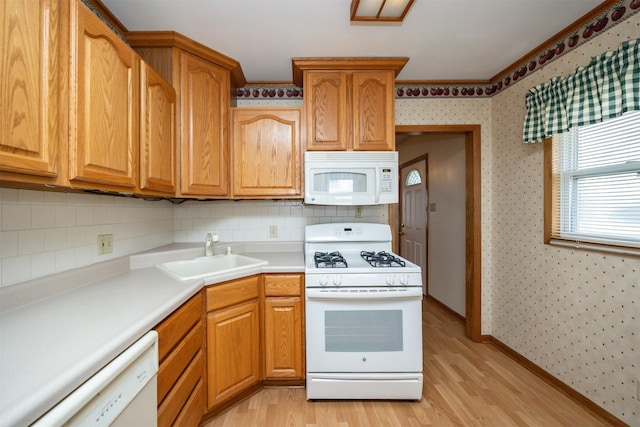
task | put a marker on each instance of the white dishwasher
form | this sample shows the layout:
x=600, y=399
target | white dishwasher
x=123, y=393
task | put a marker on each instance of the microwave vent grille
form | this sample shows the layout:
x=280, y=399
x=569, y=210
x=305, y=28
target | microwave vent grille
x=351, y=156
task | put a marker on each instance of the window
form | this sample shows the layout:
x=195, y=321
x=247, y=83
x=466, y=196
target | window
x=592, y=185
x=413, y=178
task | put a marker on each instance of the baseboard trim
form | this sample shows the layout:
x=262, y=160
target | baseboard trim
x=445, y=308
x=284, y=383
x=593, y=407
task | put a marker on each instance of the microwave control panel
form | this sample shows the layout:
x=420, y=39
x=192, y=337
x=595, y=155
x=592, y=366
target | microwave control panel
x=386, y=181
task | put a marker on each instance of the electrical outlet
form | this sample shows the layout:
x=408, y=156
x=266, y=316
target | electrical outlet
x=273, y=231
x=358, y=211
x=105, y=244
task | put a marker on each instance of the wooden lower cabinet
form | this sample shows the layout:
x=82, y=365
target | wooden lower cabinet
x=233, y=339
x=252, y=333
x=181, y=391
x=283, y=327
x=283, y=332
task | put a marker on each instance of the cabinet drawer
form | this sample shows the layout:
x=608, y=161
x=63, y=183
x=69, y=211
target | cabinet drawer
x=178, y=359
x=176, y=326
x=231, y=293
x=193, y=409
x=282, y=285
x=178, y=396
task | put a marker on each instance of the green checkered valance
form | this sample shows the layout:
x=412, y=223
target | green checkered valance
x=608, y=87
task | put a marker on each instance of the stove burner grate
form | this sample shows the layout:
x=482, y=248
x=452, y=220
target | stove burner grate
x=382, y=259
x=329, y=260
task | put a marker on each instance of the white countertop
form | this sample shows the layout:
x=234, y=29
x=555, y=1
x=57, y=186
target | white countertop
x=52, y=340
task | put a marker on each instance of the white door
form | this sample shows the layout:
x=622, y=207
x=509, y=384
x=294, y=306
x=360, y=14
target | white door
x=413, y=215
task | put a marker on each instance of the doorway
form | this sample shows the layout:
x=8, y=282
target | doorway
x=472, y=221
x=414, y=193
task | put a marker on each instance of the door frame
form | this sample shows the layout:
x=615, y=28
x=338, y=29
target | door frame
x=473, y=285
x=418, y=159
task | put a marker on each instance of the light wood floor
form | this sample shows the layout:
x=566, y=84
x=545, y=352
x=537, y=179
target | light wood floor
x=465, y=384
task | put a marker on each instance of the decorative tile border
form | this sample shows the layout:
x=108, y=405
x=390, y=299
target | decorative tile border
x=270, y=92
x=607, y=19
x=104, y=19
x=440, y=91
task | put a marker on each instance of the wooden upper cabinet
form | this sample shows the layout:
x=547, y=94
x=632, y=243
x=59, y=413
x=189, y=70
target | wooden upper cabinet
x=31, y=66
x=325, y=104
x=157, y=133
x=204, y=105
x=372, y=110
x=267, y=157
x=348, y=102
x=203, y=79
x=104, y=110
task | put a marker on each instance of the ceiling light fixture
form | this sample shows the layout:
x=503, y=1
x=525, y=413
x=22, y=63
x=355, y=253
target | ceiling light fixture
x=379, y=10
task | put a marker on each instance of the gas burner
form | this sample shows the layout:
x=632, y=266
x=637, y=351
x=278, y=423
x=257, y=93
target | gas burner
x=382, y=259
x=329, y=260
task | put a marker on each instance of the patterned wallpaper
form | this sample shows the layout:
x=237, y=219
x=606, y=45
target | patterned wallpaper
x=575, y=313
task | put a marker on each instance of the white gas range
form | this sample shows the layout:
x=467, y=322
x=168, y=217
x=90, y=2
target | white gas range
x=363, y=315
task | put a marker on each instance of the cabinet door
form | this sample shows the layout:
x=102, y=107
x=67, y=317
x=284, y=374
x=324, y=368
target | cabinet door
x=327, y=119
x=104, y=115
x=29, y=72
x=283, y=338
x=266, y=152
x=373, y=110
x=233, y=351
x=204, y=105
x=157, y=133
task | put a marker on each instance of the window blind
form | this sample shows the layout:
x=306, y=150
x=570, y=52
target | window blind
x=596, y=183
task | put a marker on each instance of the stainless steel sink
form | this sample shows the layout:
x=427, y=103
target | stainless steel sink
x=200, y=267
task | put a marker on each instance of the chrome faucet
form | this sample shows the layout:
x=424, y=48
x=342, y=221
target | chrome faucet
x=208, y=243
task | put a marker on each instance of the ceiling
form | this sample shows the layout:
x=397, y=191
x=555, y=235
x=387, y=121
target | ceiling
x=444, y=39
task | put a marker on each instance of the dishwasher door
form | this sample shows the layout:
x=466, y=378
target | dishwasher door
x=123, y=393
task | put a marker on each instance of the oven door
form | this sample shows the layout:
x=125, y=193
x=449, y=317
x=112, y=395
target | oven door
x=364, y=330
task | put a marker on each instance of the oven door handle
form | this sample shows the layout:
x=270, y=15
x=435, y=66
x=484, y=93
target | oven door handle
x=413, y=293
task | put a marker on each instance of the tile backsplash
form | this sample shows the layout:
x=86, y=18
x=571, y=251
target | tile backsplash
x=43, y=233
x=251, y=220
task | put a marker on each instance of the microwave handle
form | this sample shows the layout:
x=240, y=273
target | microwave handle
x=377, y=184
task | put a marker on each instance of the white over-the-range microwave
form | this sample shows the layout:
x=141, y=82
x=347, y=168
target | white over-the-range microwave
x=350, y=178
